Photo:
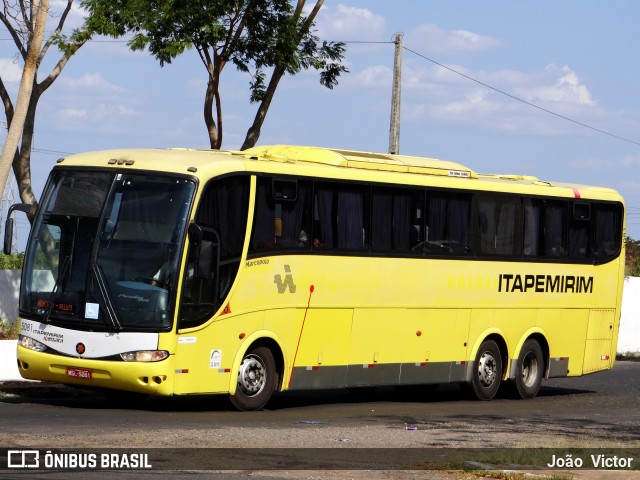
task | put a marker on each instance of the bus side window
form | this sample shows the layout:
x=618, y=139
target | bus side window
x=396, y=219
x=341, y=216
x=608, y=231
x=499, y=225
x=279, y=222
x=579, y=231
x=544, y=228
x=448, y=217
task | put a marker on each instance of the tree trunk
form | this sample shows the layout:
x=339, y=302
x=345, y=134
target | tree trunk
x=253, y=134
x=22, y=160
x=24, y=93
x=212, y=128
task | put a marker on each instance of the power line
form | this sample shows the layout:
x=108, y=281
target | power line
x=564, y=117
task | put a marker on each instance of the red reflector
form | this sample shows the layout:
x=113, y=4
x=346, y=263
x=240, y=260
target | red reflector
x=576, y=192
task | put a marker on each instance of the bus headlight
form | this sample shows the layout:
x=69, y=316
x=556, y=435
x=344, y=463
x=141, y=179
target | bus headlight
x=145, y=356
x=31, y=344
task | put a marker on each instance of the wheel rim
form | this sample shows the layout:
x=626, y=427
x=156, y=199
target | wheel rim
x=252, y=376
x=487, y=369
x=529, y=369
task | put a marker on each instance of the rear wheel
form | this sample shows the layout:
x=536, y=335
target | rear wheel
x=529, y=370
x=257, y=379
x=487, y=371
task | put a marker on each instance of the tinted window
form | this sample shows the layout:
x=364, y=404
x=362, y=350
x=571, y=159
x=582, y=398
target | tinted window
x=544, y=228
x=341, y=216
x=282, y=215
x=447, y=223
x=499, y=225
x=579, y=232
x=608, y=231
x=396, y=219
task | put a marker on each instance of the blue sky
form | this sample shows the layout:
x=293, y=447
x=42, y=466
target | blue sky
x=577, y=58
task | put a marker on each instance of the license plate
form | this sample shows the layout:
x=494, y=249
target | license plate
x=82, y=373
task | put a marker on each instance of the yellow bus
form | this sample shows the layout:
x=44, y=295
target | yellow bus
x=177, y=272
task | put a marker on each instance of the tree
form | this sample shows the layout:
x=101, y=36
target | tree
x=36, y=29
x=632, y=263
x=254, y=35
x=19, y=18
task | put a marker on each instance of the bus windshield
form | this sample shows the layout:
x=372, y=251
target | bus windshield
x=104, y=250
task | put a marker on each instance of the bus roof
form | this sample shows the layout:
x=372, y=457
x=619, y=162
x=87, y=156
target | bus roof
x=183, y=160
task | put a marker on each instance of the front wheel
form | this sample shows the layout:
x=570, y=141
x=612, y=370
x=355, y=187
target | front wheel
x=257, y=379
x=529, y=370
x=487, y=371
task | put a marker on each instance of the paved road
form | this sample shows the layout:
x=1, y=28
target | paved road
x=599, y=410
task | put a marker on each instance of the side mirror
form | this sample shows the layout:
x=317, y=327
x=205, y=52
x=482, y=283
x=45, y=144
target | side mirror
x=206, y=251
x=8, y=236
x=204, y=262
x=10, y=224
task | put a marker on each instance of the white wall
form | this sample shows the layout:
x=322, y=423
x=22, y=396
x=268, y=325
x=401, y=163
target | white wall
x=9, y=283
x=628, y=340
x=629, y=335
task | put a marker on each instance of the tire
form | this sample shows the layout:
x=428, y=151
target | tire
x=257, y=380
x=529, y=370
x=487, y=371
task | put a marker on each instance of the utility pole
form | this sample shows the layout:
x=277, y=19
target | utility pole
x=394, y=129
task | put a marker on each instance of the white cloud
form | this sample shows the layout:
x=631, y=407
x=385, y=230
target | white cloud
x=630, y=160
x=349, y=23
x=70, y=114
x=431, y=38
x=10, y=70
x=89, y=81
x=562, y=85
x=88, y=102
x=376, y=76
x=626, y=163
x=433, y=93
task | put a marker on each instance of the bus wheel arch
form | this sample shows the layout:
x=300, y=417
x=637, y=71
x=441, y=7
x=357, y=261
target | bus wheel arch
x=258, y=375
x=488, y=367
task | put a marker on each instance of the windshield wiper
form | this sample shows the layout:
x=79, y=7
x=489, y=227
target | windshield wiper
x=102, y=286
x=62, y=274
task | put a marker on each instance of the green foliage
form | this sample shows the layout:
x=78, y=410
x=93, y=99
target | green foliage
x=632, y=260
x=11, y=262
x=253, y=35
x=8, y=331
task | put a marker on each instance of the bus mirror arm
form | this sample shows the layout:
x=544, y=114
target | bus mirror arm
x=9, y=224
